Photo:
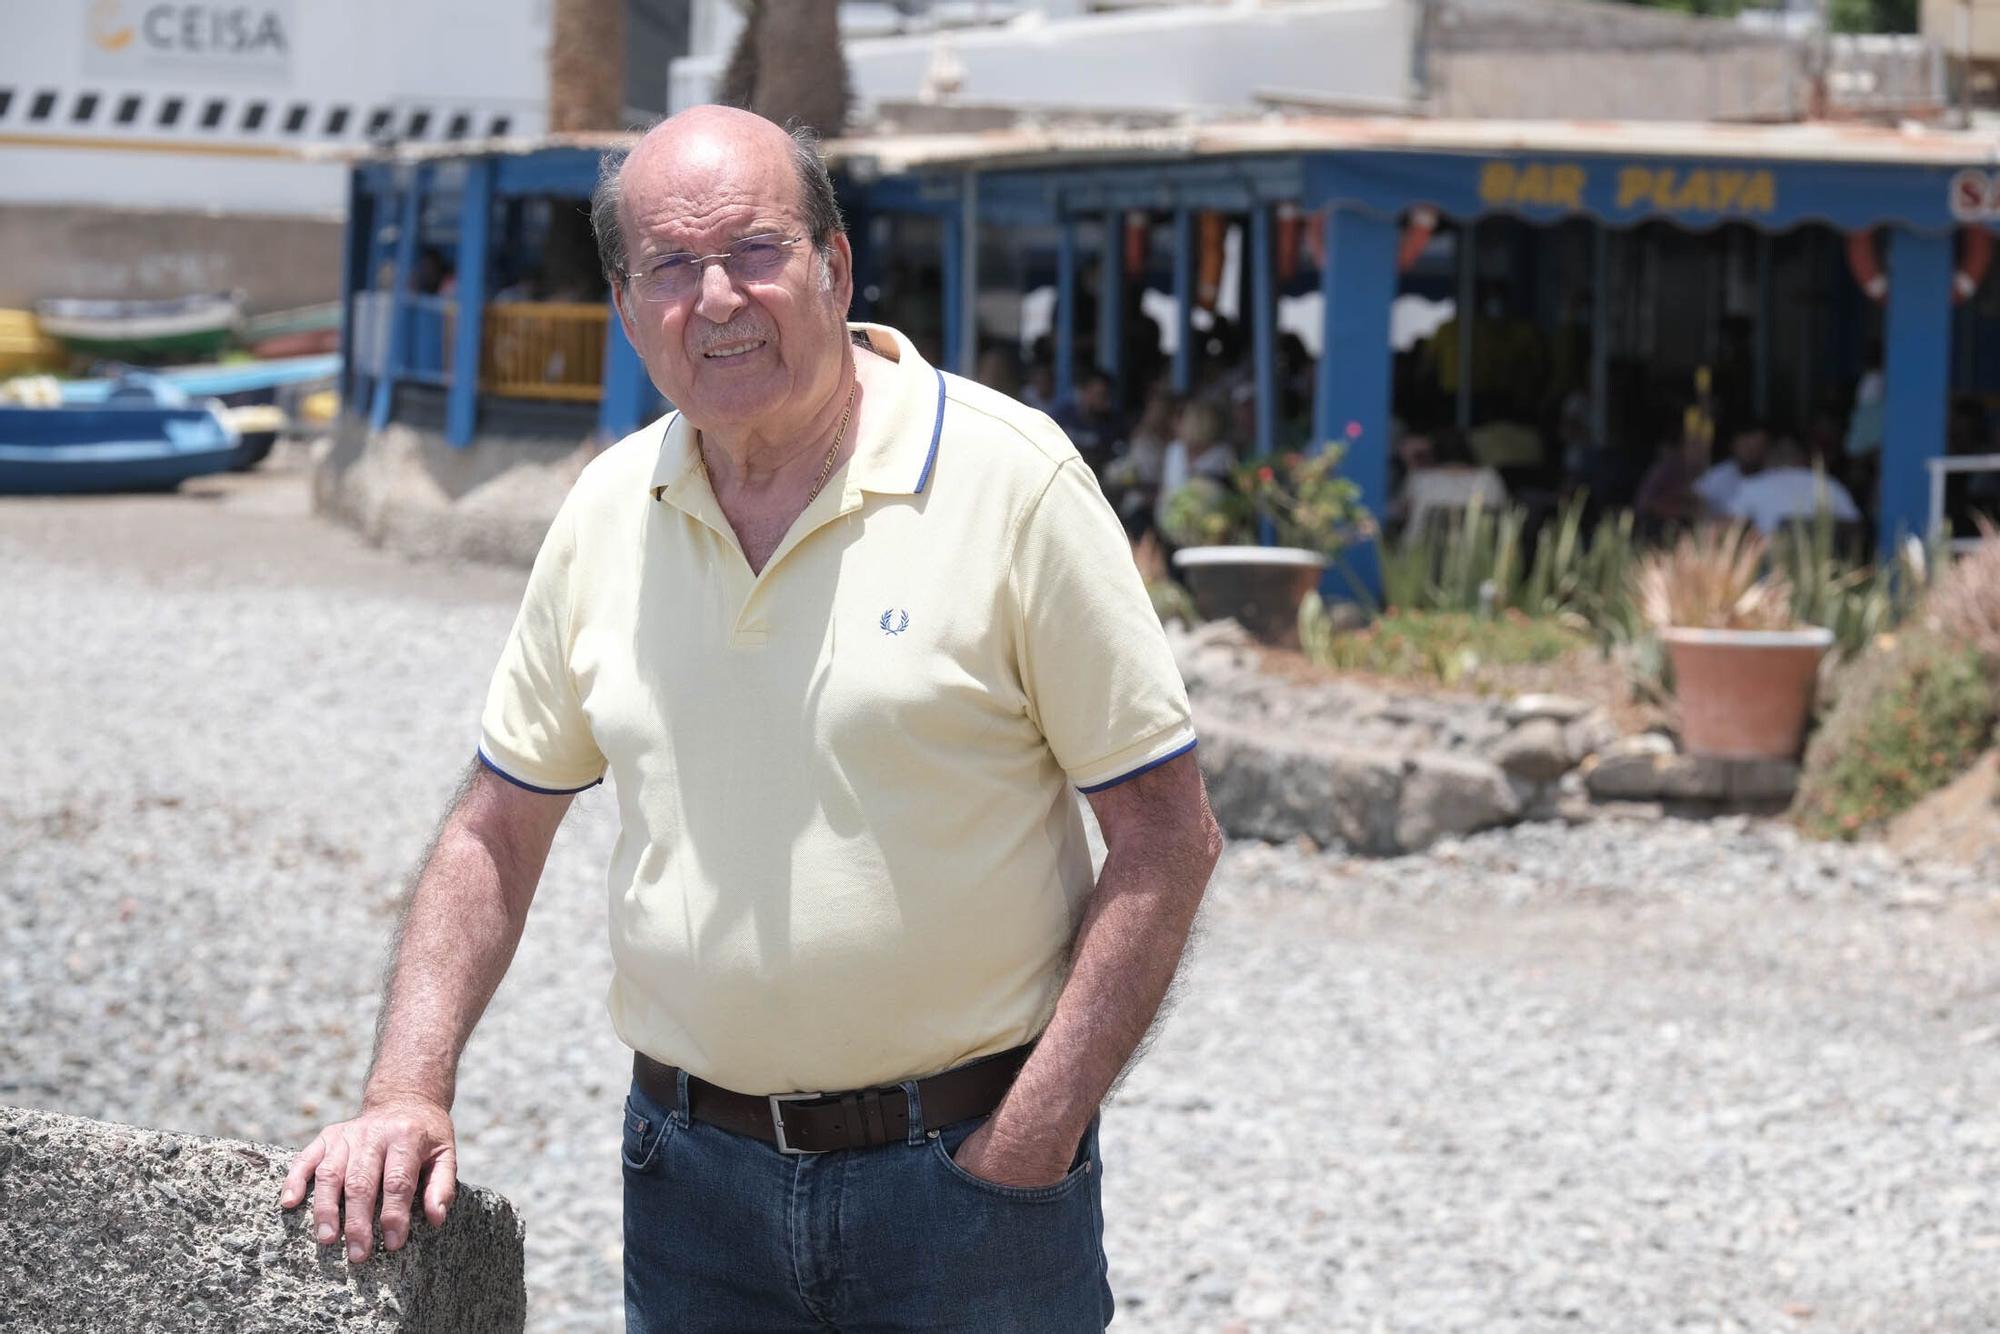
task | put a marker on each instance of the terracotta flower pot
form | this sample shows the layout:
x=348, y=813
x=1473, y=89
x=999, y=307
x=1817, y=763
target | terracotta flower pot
x=1258, y=587
x=1745, y=694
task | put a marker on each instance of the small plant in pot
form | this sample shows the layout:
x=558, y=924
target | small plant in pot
x=1313, y=512
x=1744, y=668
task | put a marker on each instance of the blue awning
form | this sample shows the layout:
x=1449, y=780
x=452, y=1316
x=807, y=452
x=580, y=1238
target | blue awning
x=1693, y=193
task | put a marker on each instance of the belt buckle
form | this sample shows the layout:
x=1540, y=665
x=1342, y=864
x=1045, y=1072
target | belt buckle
x=778, y=1118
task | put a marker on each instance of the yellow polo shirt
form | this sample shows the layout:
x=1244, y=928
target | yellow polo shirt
x=848, y=851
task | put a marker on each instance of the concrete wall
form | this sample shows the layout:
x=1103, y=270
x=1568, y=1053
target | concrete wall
x=1950, y=23
x=1181, y=58
x=405, y=489
x=1751, y=83
x=107, y=1227
x=55, y=250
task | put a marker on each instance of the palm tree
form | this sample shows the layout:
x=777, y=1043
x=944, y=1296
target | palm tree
x=586, y=65
x=788, y=65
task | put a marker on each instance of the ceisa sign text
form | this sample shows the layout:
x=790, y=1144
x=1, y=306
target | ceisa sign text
x=205, y=39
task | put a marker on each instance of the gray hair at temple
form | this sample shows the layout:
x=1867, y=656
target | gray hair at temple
x=822, y=210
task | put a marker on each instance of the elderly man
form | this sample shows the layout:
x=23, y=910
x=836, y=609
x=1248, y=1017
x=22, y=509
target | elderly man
x=845, y=631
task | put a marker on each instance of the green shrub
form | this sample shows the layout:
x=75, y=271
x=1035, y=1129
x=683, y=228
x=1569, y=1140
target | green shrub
x=1858, y=600
x=1912, y=714
x=1448, y=647
x=1303, y=498
x=1478, y=562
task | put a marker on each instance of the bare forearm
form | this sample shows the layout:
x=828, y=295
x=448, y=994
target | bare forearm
x=1126, y=954
x=455, y=944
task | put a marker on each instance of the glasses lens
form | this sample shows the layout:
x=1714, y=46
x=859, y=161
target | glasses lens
x=669, y=280
x=756, y=259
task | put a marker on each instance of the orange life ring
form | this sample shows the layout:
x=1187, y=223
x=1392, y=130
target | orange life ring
x=1975, y=257
x=1138, y=241
x=1290, y=224
x=1213, y=229
x=1416, y=235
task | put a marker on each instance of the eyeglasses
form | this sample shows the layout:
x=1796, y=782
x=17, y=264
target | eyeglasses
x=752, y=259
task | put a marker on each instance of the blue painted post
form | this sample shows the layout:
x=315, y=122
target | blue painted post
x=1468, y=298
x=629, y=397
x=1916, y=369
x=861, y=244
x=952, y=258
x=1065, y=311
x=1600, y=336
x=968, y=272
x=356, y=246
x=1358, y=283
x=1760, y=389
x=475, y=227
x=1264, y=325
x=1111, y=303
x=1183, y=300
x=399, y=313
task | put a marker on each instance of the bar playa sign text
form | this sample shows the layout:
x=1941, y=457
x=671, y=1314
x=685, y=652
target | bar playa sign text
x=1629, y=188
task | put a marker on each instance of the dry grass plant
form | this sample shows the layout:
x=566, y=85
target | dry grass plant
x=1714, y=578
x=1966, y=601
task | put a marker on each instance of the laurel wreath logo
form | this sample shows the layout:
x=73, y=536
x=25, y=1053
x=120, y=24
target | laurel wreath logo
x=894, y=622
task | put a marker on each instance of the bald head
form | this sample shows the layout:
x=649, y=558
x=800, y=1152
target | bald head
x=700, y=149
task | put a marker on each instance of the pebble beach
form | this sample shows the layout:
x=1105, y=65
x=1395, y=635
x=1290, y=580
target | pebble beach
x=1626, y=1075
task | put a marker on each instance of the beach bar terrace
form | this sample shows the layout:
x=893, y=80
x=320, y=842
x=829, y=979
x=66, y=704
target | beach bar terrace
x=1885, y=230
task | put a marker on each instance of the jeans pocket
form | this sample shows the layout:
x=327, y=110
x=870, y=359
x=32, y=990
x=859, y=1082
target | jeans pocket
x=947, y=1144
x=646, y=1127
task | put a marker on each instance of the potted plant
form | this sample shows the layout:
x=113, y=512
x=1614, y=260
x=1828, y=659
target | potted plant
x=1312, y=511
x=1744, y=668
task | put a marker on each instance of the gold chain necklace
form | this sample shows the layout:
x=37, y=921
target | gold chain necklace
x=833, y=452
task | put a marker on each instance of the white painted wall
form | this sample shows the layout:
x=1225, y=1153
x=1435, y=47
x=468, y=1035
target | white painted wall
x=483, y=59
x=1174, y=58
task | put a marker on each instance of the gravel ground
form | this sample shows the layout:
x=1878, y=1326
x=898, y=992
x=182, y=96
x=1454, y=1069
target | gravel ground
x=1625, y=1076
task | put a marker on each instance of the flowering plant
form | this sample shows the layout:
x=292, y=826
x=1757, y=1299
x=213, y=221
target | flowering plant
x=1303, y=497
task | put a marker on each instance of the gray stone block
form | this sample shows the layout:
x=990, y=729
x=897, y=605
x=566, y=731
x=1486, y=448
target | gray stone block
x=1588, y=735
x=1763, y=781
x=1631, y=776
x=1556, y=708
x=1445, y=795
x=1694, y=778
x=1535, y=750
x=111, y=1228
x=1278, y=788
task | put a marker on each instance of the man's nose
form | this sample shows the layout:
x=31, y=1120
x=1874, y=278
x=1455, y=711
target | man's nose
x=719, y=298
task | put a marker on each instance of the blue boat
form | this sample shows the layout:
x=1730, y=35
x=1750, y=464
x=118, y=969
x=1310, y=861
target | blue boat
x=144, y=437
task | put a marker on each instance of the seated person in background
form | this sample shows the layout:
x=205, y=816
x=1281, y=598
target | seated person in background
x=1092, y=421
x=1000, y=368
x=1039, y=392
x=1786, y=489
x=1716, y=487
x=1132, y=479
x=1442, y=480
x=1666, y=493
x=1198, y=450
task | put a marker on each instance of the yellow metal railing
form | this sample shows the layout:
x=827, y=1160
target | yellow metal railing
x=544, y=350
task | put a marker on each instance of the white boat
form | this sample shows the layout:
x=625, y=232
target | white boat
x=184, y=326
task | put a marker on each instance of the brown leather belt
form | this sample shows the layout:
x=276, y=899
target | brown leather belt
x=819, y=1122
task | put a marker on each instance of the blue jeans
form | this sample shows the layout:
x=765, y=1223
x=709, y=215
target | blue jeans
x=723, y=1232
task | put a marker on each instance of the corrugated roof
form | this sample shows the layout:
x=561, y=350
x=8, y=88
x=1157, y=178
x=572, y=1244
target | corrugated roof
x=895, y=154
x=1818, y=141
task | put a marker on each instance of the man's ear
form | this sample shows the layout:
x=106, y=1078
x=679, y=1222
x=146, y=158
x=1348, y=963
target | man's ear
x=621, y=298
x=841, y=270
